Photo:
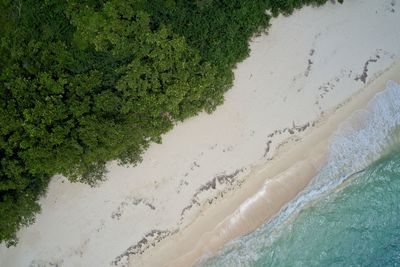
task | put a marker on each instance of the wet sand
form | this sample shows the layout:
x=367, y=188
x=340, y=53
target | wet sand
x=181, y=200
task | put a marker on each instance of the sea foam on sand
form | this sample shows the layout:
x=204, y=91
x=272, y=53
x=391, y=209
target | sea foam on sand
x=301, y=80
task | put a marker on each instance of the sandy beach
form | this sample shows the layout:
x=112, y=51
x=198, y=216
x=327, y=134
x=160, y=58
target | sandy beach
x=218, y=176
x=270, y=187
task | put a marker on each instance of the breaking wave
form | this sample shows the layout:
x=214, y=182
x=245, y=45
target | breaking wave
x=366, y=136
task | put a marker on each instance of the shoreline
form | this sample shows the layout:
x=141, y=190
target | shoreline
x=283, y=94
x=294, y=161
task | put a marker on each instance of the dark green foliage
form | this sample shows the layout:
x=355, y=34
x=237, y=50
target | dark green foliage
x=218, y=29
x=85, y=82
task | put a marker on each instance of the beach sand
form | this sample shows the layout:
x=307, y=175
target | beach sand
x=197, y=190
x=269, y=188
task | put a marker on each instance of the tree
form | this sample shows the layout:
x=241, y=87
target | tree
x=85, y=82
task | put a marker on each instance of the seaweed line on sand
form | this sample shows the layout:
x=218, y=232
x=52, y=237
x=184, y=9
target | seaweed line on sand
x=150, y=239
x=130, y=200
x=292, y=130
x=228, y=179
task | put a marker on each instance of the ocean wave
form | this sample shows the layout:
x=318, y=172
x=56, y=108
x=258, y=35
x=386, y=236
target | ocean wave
x=367, y=135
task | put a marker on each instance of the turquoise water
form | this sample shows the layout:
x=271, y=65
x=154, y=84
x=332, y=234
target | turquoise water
x=350, y=214
x=358, y=226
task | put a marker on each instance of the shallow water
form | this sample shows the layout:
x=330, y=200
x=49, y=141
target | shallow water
x=358, y=226
x=350, y=214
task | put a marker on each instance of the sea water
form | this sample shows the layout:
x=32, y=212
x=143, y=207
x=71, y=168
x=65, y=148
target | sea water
x=350, y=213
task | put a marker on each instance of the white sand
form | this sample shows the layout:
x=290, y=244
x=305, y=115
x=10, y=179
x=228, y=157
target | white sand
x=307, y=65
x=268, y=188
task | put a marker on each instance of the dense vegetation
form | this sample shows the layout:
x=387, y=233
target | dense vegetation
x=85, y=82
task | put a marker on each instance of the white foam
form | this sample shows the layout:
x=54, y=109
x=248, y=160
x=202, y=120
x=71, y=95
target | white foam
x=363, y=138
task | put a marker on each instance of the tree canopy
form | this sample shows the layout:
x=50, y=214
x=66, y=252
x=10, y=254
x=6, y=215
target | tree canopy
x=85, y=82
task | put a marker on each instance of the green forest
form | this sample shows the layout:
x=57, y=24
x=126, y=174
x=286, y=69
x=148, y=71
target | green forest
x=83, y=82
